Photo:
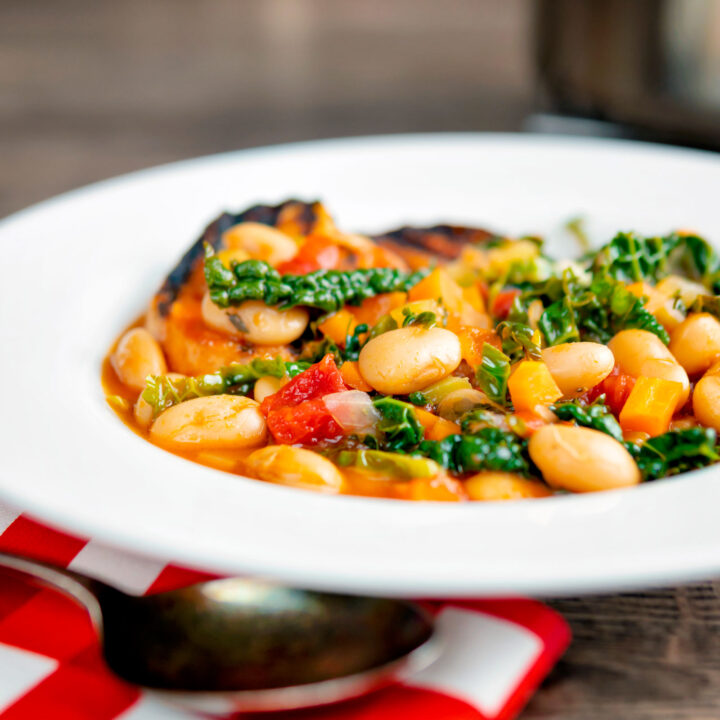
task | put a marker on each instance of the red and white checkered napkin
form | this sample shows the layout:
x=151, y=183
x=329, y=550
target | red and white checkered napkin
x=497, y=651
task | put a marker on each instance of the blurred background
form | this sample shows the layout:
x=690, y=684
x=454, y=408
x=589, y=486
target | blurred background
x=94, y=88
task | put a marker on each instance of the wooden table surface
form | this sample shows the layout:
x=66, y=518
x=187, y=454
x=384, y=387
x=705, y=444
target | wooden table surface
x=93, y=89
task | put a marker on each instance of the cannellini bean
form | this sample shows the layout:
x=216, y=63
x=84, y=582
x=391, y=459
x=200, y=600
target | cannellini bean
x=706, y=401
x=632, y=348
x=576, y=367
x=686, y=290
x=582, y=460
x=266, y=386
x=143, y=411
x=261, y=242
x=706, y=398
x=256, y=322
x=695, y=343
x=455, y=404
x=639, y=352
x=293, y=466
x=217, y=421
x=136, y=356
x=408, y=359
x=503, y=486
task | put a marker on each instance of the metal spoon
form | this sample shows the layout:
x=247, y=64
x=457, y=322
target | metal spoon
x=243, y=645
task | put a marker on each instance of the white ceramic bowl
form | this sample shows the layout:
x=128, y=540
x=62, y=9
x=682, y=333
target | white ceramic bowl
x=76, y=269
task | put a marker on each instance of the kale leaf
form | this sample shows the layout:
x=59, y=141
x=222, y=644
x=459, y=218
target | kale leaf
x=675, y=452
x=326, y=290
x=595, y=416
x=488, y=449
x=631, y=258
x=592, y=312
x=398, y=427
x=493, y=373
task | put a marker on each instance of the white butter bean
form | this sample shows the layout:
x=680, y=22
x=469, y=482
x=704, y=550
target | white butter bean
x=695, y=343
x=256, y=322
x=639, y=352
x=261, y=242
x=266, y=386
x=487, y=486
x=576, y=367
x=217, y=421
x=408, y=359
x=582, y=460
x=293, y=466
x=136, y=356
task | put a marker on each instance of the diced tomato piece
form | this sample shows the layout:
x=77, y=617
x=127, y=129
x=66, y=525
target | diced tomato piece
x=503, y=302
x=616, y=387
x=318, y=380
x=306, y=423
x=315, y=254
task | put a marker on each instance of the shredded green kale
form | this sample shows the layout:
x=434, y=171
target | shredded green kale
x=162, y=392
x=398, y=427
x=595, y=416
x=675, y=452
x=493, y=373
x=631, y=258
x=577, y=311
x=326, y=290
x=488, y=449
x=424, y=319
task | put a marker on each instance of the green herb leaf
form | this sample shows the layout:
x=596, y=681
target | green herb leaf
x=399, y=428
x=675, y=452
x=595, y=416
x=632, y=259
x=493, y=374
x=326, y=290
x=488, y=449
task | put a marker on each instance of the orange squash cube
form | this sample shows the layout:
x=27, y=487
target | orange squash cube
x=531, y=384
x=439, y=285
x=338, y=326
x=650, y=405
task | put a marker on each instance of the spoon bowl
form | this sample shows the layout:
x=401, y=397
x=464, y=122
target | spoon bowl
x=244, y=645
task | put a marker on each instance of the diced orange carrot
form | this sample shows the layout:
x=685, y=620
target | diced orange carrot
x=531, y=384
x=473, y=296
x=438, y=285
x=441, y=429
x=472, y=340
x=436, y=428
x=338, y=326
x=425, y=418
x=650, y=406
x=372, y=309
x=351, y=376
